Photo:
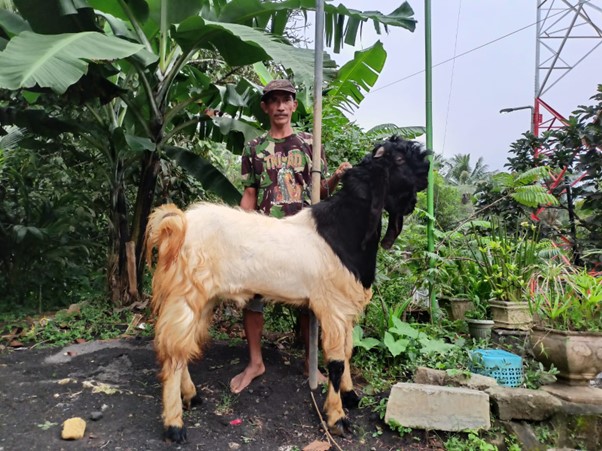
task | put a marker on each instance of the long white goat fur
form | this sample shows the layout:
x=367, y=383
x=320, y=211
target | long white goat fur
x=231, y=254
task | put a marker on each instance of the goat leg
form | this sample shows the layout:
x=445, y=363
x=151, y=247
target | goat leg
x=349, y=397
x=188, y=389
x=172, y=403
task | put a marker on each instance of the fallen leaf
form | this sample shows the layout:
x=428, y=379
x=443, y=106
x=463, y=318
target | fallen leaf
x=16, y=344
x=317, y=445
x=80, y=340
x=46, y=425
x=101, y=387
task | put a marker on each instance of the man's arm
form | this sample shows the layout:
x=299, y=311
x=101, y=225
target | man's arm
x=328, y=186
x=249, y=199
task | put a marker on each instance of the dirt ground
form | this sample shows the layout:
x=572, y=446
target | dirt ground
x=117, y=380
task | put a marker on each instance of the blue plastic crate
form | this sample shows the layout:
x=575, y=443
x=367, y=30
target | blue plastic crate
x=505, y=367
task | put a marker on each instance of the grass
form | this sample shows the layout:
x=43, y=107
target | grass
x=81, y=322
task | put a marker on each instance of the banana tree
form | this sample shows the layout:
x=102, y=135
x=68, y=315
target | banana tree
x=146, y=76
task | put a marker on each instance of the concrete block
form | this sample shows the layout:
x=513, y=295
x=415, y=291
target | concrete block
x=522, y=403
x=439, y=408
x=429, y=376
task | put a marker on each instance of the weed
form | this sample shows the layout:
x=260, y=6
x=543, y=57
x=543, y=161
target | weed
x=85, y=321
x=472, y=442
x=401, y=430
x=377, y=405
x=224, y=406
x=535, y=374
x=46, y=425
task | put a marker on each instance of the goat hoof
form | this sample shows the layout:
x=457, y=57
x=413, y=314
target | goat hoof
x=350, y=399
x=195, y=401
x=342, y=427
x=175, y=434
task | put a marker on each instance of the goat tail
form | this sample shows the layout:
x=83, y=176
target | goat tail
x=165, y=231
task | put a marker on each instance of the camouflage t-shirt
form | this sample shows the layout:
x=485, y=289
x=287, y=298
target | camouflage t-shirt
x=280, y=170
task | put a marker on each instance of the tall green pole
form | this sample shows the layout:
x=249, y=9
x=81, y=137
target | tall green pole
x=430, y=204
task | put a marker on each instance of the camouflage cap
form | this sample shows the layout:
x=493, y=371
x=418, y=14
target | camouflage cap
x=279, y=85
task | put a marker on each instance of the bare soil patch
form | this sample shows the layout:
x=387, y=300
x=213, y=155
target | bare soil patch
x=41, y=388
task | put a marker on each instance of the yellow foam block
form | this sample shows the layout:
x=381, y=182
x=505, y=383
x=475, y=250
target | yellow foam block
x=73, y=429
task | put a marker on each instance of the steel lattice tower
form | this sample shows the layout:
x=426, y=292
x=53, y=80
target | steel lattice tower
x=568, y=31
x=561, y=23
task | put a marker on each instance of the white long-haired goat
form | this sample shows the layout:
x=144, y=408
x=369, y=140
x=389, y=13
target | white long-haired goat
x=214, y=252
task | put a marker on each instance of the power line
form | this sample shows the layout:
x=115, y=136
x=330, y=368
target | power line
x=451, y=78
x=464, y=53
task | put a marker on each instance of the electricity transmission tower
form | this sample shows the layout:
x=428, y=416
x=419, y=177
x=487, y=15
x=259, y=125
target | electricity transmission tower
x=568, y=31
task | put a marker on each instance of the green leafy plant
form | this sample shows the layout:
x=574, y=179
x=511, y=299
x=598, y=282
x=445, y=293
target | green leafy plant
x=480, y=310
x=506, y=260
x=86, y=321
x=536, y=374
x=401, y=430
x=459, y=278
x=567, y=298
x=472, y=442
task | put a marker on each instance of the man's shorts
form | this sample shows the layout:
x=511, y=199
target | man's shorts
x=257, y=303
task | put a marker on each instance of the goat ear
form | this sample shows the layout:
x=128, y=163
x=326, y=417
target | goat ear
x=379, y=182
x=379, y=152
x=393, y=230
x=396, y=220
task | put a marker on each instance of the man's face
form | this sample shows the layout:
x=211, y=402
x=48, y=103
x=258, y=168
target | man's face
x=280, y=106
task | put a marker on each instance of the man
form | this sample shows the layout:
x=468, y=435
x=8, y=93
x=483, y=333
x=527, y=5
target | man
x=276, y=172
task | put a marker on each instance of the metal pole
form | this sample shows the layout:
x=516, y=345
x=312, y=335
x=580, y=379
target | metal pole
x=315, y=175
x=430, y=204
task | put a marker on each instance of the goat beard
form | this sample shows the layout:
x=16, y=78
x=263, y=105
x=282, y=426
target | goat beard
x=393, y=230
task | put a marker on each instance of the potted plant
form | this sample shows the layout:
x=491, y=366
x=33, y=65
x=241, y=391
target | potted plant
x=458, y=278
x=506, y=262
x=478, y=320
x=567, y=308
x=455, y=288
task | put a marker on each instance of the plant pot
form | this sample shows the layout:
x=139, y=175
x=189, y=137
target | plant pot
x=480, y=328
x=511, y=315
x=456, y=308
x=576, y=355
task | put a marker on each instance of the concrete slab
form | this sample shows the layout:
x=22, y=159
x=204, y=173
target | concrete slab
x=433, y=407
x=523, y=404
x=577, y=394
x=576, y=400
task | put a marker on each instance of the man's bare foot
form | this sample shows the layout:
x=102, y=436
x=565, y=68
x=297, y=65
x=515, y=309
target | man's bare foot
x=242, y=380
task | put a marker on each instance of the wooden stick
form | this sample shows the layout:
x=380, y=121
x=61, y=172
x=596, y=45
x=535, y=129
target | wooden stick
x=324, y=425
x=130, y=252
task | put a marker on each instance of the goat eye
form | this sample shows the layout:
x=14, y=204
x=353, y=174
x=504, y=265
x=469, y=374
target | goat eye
x=399, y=160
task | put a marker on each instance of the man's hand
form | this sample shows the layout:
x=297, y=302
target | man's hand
x=341, y=170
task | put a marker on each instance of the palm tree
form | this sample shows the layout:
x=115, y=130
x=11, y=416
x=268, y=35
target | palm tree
x=460, y=171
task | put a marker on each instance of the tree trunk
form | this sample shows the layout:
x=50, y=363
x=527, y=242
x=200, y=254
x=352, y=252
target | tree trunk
x=117, y=271
x=144, y=203
x=124, y=271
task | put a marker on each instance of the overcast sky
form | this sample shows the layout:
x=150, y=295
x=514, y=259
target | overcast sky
x=469, y=91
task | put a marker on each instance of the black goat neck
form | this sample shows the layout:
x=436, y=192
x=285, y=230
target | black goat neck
x=343, y=221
